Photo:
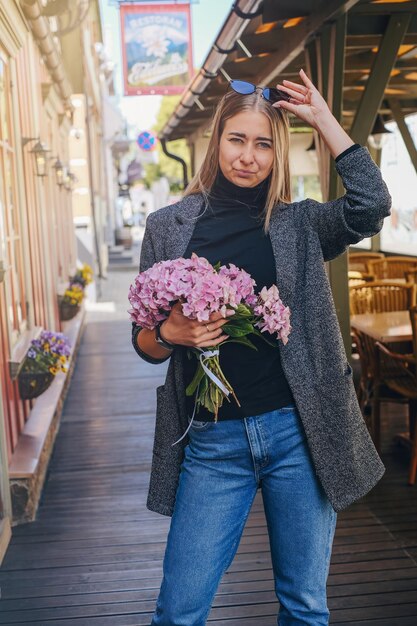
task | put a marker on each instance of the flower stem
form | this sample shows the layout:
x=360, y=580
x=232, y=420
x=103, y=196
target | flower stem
x=217, y=369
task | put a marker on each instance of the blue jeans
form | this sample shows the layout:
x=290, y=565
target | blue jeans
x=223, y=466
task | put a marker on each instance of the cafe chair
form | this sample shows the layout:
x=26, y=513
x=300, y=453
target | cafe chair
x=381, y=297
x=391, y=267
x=365, y=384
x=356, y=278
x=358, y=261
x=374, y=297
x=397, y=372
x=411, y=276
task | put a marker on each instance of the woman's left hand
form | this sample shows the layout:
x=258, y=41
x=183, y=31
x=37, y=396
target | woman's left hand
x=306, y=101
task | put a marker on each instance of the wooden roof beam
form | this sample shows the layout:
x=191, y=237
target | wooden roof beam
x=379, y=77
x=299, y=35
x=404, y=130
x=372, y=41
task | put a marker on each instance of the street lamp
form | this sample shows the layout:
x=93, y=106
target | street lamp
x=39, y=152
x=73, y=180
x=69, y=179
x=66, y=177
x=59, y=172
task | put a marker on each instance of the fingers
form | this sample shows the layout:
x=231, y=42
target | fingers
x=299, y=97
x=300, y=89
x=216, y=315
x=213, y=342
x=215, y=327
x=306, y=79
x=291, y=107
x=218, y=323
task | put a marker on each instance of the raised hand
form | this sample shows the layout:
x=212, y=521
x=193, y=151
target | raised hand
x=306, y=101
x=309, y=105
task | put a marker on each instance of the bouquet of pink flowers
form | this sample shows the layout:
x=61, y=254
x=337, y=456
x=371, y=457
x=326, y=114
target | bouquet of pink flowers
x=202, y=289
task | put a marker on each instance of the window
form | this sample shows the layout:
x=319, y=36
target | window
x=10, y=239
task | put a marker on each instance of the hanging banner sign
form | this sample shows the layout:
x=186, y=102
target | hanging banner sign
x=156, y=46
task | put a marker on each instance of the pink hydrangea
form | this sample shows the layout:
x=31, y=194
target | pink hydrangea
x=202, y=291
x=194, y=281
x=275, y=316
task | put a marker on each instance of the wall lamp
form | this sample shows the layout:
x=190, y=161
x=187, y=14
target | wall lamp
x=39, y=152
x=69, y=179
x=59, y=171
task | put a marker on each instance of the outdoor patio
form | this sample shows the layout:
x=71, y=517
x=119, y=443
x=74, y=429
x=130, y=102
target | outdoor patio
x=94, y=554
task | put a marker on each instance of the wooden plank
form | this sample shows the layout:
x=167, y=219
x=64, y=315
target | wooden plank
x=94, y=555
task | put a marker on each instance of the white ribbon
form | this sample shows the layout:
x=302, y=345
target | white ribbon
x=205, y=354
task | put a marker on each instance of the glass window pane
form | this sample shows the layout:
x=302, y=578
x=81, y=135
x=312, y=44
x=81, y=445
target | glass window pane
x=4, y=135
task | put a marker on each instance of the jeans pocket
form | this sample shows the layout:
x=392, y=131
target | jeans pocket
x=288, y=409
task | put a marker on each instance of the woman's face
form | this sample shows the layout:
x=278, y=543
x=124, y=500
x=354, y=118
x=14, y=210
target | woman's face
x=246, y=149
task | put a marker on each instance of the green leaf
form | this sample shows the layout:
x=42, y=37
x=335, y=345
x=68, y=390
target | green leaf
x=214, y=396
x=259, y=334
x=238, y=328
x=199, y=373
x=243, y=310
x=207, y=402
x=204, y=384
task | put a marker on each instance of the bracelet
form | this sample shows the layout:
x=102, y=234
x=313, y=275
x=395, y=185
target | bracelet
x=159, y=339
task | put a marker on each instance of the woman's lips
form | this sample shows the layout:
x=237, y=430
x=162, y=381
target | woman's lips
x=244, y=173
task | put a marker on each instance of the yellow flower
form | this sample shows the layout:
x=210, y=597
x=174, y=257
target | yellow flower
x=53, y=370
x=63, y=359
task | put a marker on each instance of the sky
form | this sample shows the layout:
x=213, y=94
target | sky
x=207, y=17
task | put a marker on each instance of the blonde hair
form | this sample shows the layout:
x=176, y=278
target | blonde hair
x=230, y=105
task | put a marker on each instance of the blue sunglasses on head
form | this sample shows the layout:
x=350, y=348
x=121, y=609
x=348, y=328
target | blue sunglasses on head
x=269, y=93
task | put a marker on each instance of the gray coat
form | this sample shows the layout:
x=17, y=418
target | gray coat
x=303, y=235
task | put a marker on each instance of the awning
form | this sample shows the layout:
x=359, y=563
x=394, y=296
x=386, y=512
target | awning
x=264, y=42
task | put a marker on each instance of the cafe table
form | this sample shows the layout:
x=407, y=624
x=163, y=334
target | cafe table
x=398, y=281
x=390, y=327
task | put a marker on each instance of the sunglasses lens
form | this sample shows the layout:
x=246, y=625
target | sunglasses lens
x=274, y=95
x=242, y=87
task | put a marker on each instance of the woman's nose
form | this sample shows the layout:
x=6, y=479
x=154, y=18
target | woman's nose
x=247, y=155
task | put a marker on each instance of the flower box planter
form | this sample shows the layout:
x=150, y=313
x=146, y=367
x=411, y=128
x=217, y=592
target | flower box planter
x=32, y=384
x=45, y=357
x=68, y=311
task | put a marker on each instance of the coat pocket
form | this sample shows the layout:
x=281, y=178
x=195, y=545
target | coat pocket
x=159, y=444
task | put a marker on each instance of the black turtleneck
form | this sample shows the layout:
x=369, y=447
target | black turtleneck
x=230, y=230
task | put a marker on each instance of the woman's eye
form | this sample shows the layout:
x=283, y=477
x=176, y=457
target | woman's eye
x=264, y=145
x=235, y=139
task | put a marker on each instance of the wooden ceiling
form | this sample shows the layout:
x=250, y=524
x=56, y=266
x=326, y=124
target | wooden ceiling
x=277, y=40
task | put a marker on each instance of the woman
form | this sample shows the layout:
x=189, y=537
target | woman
x=299, y=434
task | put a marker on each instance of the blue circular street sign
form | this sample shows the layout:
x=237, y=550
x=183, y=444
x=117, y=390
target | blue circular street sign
x=147, y=140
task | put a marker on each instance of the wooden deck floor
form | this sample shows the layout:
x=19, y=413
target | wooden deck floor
x=94, y=555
